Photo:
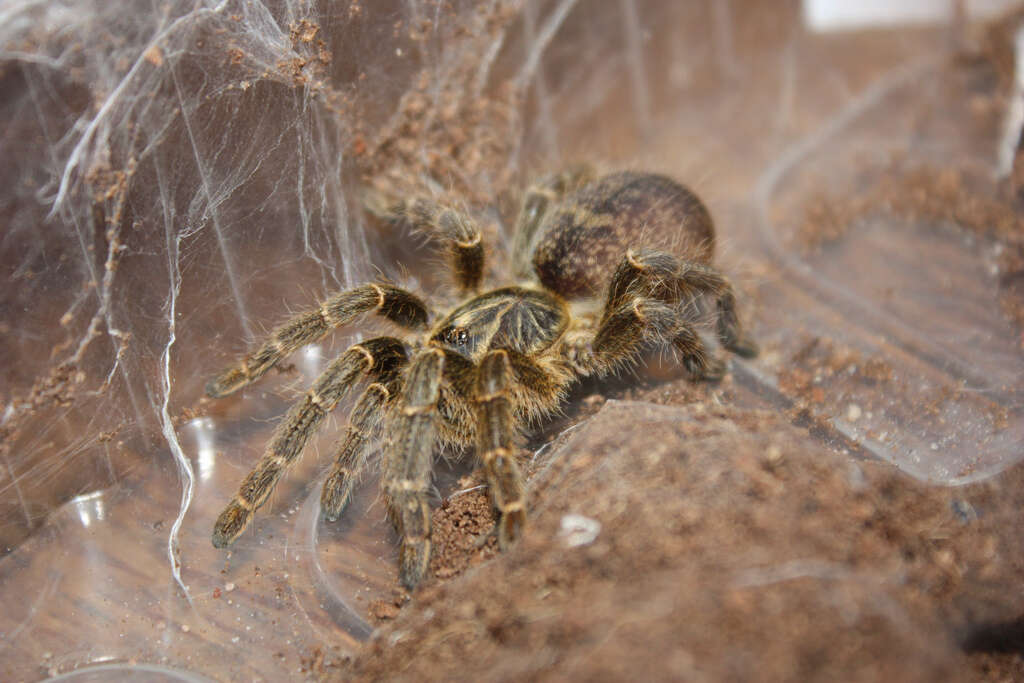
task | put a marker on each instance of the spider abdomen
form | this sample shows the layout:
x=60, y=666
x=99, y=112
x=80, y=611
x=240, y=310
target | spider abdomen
x=587, y=234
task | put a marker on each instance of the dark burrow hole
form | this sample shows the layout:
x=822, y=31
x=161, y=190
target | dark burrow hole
x=1001, y=637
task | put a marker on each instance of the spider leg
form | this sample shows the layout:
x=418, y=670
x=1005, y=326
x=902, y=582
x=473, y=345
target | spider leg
x=641, y=320
x=495, y=437
x=665, y=277
x=373, y=357
x=408, y=464
x=624, y=331
x=460, y=233
x=365, y=419
x=537, y=201
x=395, y=304
x=702, y=278
x=696, y=358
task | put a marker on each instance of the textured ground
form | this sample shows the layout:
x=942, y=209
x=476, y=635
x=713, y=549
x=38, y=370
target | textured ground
x=718, y=544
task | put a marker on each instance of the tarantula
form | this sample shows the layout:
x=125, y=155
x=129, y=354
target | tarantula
x=606, y=267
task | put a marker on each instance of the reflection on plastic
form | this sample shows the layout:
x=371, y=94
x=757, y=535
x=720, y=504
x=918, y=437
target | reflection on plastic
x=311, y=360
x=90, y=507
x=843, y=15
x=206, y=455
x=129, y=674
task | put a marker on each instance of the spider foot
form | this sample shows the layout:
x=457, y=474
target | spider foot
x=708, y=369
x=226, y=383
x=335, y=495
x=511, y=523
x=413, y=561
x=230, y=524
x=743, y=345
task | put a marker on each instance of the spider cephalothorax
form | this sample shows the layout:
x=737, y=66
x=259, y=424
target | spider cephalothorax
x=607, y=266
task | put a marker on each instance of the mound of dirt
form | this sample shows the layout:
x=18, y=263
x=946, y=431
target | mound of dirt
x=689, y=543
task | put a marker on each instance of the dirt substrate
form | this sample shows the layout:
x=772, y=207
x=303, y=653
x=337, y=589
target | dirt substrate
x=716, y=544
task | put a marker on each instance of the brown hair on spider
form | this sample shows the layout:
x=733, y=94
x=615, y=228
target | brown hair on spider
x=606, y=266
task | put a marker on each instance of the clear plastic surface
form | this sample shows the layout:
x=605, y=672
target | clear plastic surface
x=181, y=177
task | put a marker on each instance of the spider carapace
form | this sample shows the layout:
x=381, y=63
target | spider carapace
x=604, y=267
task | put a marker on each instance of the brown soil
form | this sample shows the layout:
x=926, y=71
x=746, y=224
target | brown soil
x=731, y=546
x=946, y=196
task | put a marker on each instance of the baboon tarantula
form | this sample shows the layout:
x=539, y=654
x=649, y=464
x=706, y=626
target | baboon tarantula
x=606, y=266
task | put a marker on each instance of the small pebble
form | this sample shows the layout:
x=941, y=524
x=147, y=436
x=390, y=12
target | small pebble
x=964, y=511
x=853, y=412
x=229, y=586
x=578, y=530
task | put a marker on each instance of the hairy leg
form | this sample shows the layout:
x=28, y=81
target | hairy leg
x=395, y=304
x=458, y=231
x=413, y=436
x=641, y=320
x=496, y=447
x=364, y=422
x=663, y=276
x=373, y=357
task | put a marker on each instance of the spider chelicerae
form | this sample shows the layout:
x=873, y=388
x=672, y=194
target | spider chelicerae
x=605, y=267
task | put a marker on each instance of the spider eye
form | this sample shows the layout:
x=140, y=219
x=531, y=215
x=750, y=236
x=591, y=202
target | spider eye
x=457, y=336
